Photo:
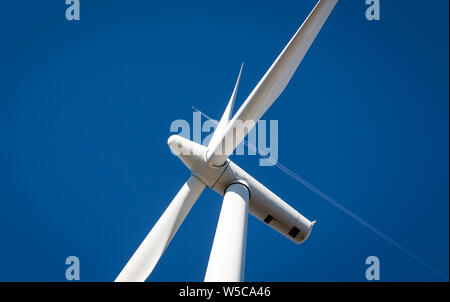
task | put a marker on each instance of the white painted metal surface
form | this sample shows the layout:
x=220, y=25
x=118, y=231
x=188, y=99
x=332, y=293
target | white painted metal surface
x=151, y=249
x=227, y=258
x=211, y=167
x=227, y=114
x=264, y=204
x=267, y=206
x=272, y=84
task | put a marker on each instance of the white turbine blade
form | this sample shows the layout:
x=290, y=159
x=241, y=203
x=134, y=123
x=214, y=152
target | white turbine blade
x=227, y=114
x=271, y=85
x=151, y=249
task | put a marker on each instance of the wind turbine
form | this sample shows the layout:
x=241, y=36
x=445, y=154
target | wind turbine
x=241, y=192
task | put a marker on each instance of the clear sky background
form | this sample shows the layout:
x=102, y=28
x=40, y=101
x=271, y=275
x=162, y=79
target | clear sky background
x=86, y=106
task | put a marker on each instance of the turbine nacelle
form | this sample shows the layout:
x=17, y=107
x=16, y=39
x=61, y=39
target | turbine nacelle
x=263, y=203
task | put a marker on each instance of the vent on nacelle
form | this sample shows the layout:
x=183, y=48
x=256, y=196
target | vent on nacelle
x=268, y=219
x=294, y=232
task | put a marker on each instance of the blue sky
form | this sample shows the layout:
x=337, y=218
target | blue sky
x=86, y=106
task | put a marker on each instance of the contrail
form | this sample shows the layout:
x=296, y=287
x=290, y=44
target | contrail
x=336, y=204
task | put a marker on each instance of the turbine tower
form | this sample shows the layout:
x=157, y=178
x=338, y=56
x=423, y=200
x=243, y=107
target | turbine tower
x=210, y=166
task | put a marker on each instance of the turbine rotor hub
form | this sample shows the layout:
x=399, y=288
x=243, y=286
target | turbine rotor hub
x=194, y=157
